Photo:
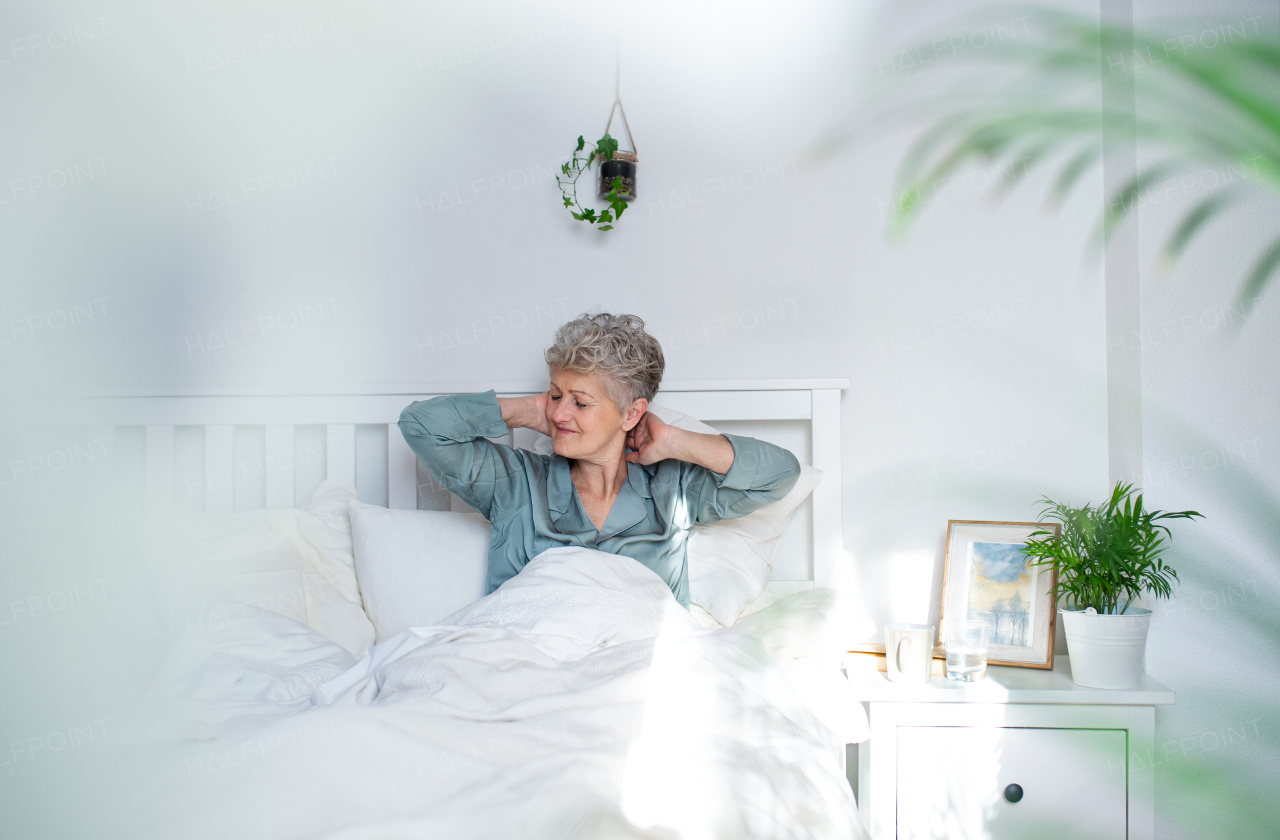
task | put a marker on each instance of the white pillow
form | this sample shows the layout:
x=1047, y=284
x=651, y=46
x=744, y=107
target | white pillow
x=296, y=563
x=417, y=566
x=730, y=560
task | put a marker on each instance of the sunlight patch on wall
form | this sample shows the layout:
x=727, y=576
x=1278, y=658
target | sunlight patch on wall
x=911, y=581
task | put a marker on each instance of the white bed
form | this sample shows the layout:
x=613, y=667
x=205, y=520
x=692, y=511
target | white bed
x=582, y=701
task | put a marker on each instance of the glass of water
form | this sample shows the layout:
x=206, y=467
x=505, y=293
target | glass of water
x=966, y=650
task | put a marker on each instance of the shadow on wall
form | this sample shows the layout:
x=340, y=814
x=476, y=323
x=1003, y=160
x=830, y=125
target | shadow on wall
x=1215, y=749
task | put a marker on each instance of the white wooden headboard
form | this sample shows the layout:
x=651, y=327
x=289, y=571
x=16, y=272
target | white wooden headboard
x=157, y=413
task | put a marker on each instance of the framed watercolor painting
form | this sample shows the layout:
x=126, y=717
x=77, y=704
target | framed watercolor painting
x=986, y=577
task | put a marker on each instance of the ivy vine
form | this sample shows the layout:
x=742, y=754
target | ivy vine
x=573, y=168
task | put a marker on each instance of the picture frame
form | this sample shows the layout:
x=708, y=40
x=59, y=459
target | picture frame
x=986, y=577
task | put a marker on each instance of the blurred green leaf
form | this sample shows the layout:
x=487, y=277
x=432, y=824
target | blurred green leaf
x=1262, y=271
x=1126, y=198
x=1193, y=220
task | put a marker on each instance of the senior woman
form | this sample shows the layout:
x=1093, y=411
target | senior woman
x=604, y=369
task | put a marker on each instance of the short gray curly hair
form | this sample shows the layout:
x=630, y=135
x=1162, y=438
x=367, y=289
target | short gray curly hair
x=628, y=359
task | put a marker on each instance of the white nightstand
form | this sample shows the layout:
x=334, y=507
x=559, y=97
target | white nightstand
x=943, y=756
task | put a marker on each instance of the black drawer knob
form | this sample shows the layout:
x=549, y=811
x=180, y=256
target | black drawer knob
x=1013, y=793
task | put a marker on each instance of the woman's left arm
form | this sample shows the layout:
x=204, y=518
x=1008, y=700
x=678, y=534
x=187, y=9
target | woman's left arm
x=727, y=476
x=714, y=452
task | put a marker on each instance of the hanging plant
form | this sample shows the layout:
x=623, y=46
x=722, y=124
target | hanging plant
x=617, y=183
x=617, y=194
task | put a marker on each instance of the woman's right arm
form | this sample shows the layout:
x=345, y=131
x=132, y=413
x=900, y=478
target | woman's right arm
x=526, y=412
x=448, y=435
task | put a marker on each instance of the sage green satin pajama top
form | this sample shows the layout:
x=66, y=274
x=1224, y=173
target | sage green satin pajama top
x=533, y=504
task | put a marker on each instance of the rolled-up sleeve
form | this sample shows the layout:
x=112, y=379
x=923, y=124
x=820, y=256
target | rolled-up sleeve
x=448, y=435
x=761, y=473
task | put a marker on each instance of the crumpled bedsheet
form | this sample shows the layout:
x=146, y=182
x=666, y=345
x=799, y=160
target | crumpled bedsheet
x=579, y=700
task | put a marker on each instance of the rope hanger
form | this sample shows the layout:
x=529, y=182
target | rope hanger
x=617, y=99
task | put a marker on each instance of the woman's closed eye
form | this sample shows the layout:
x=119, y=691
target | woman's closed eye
x=575, y=402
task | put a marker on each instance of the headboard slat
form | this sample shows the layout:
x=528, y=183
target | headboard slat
x=340, y=450
x=159, y=467
x=278, y=466
x=402, y=472
x=101, y=466
x=828, y=542
x=219, y=456
x=739, y=405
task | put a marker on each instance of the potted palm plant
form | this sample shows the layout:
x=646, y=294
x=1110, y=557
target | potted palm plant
x=1105, y=558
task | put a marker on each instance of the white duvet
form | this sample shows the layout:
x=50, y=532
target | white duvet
x=577, y=701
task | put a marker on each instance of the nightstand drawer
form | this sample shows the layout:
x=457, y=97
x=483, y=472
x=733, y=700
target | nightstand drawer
x=952, y=783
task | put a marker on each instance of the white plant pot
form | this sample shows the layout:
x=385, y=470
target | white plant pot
x=1106, y=650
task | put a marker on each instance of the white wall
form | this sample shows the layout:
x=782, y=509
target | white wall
x=345, y=193
x=423, y=239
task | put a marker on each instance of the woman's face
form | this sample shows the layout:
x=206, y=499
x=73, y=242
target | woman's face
x=583, y=421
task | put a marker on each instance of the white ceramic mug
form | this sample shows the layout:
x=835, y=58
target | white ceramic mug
x=908, y=650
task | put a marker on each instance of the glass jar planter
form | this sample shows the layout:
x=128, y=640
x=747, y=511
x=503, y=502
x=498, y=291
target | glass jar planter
x=623, y=165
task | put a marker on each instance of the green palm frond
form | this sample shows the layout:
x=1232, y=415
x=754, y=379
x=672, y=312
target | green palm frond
x=1071, y=172
x=1025, y=103
x=1107, y=556
x=1262, y=272
x=1127, y=195
x=1193, y=220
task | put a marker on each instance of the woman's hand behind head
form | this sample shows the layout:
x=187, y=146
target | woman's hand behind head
x=651, y=438
x=538, y=413
x=526, y=412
